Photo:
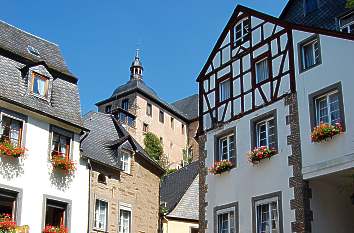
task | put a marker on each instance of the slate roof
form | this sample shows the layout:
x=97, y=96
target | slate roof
x=324, y=17
x=15, y=60
x=138, y=85
x=104, y=133
x=175, y=186
x=17, y=41
x=189, y=106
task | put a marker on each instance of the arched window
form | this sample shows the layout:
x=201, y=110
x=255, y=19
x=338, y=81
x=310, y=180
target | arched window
x=101, y=179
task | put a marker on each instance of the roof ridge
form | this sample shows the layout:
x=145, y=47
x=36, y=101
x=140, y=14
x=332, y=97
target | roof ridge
x=28, y=33
x=190, y=96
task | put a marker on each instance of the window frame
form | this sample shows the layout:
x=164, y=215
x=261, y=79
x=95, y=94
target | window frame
x=225, y=134
x=262, y=57
x=22, y=129
x=259, y=119
x=46, y=87
x=95, y=227
x=68, y=208
x=317, y=94
x=128, y=208
x=172, y=123
x=183, y=129
x=346, y=25
x=108, y=106
x=227, y=209
x=145, y=127
x=244, y=36
x=125, y=102
x=64, y=133
x=8, y=190
x=161, y=117
x=300, y=47
x=265, y=198
x=123, y=162
x=149, y=106
x=219, y=81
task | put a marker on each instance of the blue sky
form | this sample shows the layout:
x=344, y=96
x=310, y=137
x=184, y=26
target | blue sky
x=98, y=38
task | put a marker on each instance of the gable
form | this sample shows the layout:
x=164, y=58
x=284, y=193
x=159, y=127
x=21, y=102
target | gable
x=248, y=37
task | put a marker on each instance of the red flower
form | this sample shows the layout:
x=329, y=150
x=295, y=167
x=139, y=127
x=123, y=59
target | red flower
x=257, y=154
x=324, y=131
x=53, y=229
x=64, y=163
x=8, y=149
x=220, y=167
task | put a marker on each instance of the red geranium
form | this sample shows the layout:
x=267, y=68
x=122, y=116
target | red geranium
x=220, y=167
x=6, y=223
x=259, y=153
x=8, y=149
x=324, y=131
x=62, y=162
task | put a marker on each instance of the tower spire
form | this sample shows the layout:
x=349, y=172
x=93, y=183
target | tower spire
x=136, y=69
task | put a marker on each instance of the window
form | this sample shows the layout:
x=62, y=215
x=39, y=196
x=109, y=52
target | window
x=310, y=53
x=264, y=131
x=101, y=212
x=56, y=213
x=8, y=202
x=224, y=90
x=101, y=179
x=126, y=119
x=226, y=218
x=61, y=144
x=148, y=109
x=172, y=123
x=11, y=130
x=125, y=104
x=194, y=230
x=108, y=109
x=124, y=220
x=145, y=127
x=262, y=70
x=267, y=213
x=39, y=85
x=310, y=5
x=162, y=117
x=225, y=148
x=326, y=106
x=125, y=159
x=183, y=129
x=346, y=24
x=242, y=30
x=161, y=140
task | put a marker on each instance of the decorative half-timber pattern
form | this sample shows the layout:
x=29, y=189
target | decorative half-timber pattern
x=302, y=194
x=234, y=61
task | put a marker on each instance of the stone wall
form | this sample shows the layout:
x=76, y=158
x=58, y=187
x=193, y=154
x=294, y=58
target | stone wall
x=140, y=189
x=192, y=142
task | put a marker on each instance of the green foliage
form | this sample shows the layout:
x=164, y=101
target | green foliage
x=153, y=146
x=350, y=3
x=170, y=171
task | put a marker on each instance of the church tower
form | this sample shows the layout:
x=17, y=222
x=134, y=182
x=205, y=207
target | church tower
x=136, y=69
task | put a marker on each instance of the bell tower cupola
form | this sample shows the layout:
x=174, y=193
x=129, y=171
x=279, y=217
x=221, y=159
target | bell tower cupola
x=136, y=69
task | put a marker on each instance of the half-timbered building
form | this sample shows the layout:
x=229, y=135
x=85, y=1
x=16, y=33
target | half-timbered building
x=250, y=119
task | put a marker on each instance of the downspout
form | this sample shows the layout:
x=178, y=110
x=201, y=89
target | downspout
x=89, y=196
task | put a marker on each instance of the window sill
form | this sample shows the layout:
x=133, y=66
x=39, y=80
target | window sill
x=302, y=70
x=99, y=230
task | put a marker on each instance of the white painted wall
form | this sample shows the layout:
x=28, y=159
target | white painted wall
x=35, y=178
x=247, y=180
x=331, y=207
x=337, y=65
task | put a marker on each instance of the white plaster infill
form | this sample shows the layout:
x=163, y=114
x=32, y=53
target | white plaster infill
x=328, y=167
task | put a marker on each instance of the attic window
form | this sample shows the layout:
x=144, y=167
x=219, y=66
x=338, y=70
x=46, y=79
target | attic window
x=39, y=85
x=33, y=51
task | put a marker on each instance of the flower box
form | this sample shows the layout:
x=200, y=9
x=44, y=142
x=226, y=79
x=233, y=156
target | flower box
x=53, y=229
x=8, y=149
x=7, y=224
x=325, y=131
x=61, y=162
x=260, y=153
x=220, y=167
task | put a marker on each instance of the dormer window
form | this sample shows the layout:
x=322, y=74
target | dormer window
x=39, y=85
x=242, y=30
x=33, y=51
x=346, y=23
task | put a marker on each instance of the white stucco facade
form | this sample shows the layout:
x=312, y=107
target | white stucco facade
x=35, y=180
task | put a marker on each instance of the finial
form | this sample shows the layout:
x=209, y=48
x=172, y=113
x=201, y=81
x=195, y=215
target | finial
x=137, y=53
